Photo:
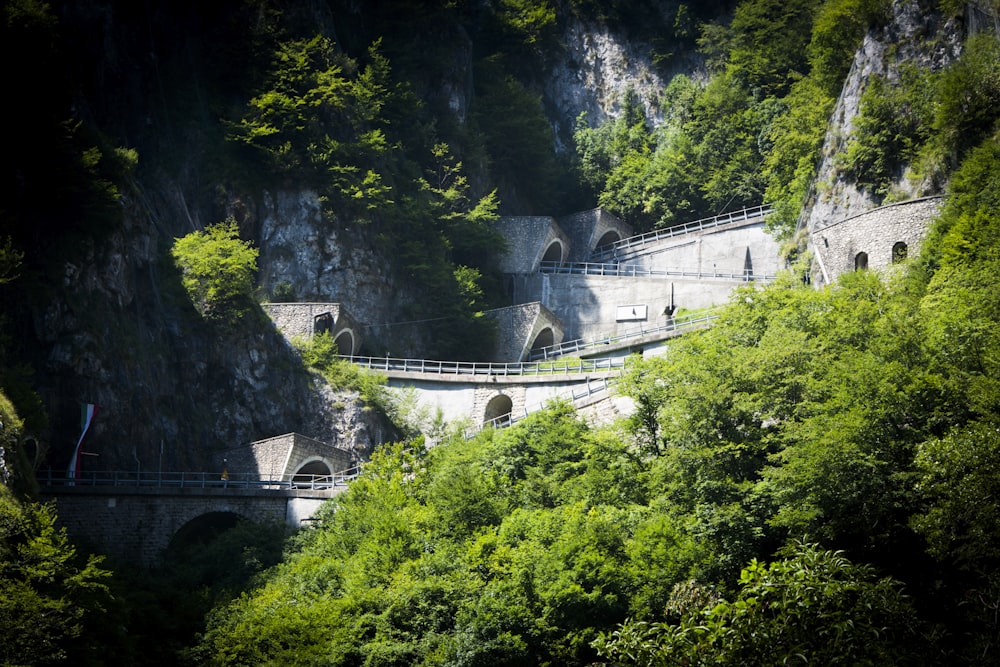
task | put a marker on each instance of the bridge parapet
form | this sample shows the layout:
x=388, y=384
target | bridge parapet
x=633, y=242
x=467, y=371
x=133, y=516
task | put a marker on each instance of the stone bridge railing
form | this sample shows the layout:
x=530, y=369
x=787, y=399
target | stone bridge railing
x=631, y=271
x=609, y=251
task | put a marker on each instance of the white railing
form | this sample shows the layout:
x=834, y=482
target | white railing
x=631, y=270
x=604, y=252
x=202, y=480
x=583, y=344
x=427, y=366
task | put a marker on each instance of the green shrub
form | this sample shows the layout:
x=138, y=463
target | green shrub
x=217, y=270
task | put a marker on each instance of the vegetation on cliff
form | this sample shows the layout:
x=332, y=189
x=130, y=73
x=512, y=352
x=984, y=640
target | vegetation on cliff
x=810, y=479
x=814, y=478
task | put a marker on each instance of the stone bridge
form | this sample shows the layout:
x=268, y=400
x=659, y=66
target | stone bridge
x=585, y=285
x=134, y=515
x=135, y=524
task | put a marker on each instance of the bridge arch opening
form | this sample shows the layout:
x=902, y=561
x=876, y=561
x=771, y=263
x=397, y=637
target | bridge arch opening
x=899, y=251
x=554, y=253
x=345, y=342
x=202, y=530
x=545, y=338
x=307, y=473
x=861, y=261
x=498, y=410
x=609, y=238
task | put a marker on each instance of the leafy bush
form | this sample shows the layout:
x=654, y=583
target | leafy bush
x=51, y=597
x=217, y=270
x=320, y=353
x=813, y=607
x=893, y=125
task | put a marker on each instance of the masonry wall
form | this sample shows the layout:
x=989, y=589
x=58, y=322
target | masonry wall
x=588, y=305
x=517, y=328
x=722, y=250
x=295, y=320
x=307, y=449
x=528, y=237
x=836, y=246
x=136, y=526
x=586, y=228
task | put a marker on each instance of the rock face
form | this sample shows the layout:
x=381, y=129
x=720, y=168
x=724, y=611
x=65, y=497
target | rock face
x=173, y=388
x=320, y=261
x=595, y=71
x=915, y=35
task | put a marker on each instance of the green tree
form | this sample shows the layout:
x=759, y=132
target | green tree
x=217, y=270
x=50, y=595
x=812, y=607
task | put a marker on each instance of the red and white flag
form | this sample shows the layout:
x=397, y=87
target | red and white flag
x=88, y=414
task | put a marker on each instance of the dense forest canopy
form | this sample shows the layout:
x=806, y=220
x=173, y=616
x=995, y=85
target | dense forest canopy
x=814, y=479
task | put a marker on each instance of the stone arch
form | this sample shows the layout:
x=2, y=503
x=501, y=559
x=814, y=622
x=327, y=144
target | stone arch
x=202, y=530
x=310, y=469
x=861, y=261
x=345, y=342
x=554, y=253
x=609, y=238
x=545, y=338
x=498, y=410
x=323, y=323
x=899, y=251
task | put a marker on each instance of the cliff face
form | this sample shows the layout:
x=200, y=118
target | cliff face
x=116, y=329
x=916, y=35
x=172, y=387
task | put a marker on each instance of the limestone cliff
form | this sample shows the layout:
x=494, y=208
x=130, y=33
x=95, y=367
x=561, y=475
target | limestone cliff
x=916, y=34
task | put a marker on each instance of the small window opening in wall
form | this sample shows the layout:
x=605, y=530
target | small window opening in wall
x=898, y=252
x=861, y=261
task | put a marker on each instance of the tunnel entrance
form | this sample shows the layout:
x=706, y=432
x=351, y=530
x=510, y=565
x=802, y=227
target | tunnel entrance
x=498, y=410
x=345, y=343
x=608, y=239
x=308, y=473
x=554, y=253
x=545, y=338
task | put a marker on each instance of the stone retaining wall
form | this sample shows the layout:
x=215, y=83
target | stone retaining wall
x=836, y=247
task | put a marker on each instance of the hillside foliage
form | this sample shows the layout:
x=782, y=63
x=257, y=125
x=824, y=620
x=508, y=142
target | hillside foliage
x=811, y=480
x=792, y=481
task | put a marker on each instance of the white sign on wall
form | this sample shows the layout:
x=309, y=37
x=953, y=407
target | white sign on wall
x=631, y=313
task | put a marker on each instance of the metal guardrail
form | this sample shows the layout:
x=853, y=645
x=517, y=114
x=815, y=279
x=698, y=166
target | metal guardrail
x=389, y=364
x=583, y=344
x=628, y=271
x=199, y=480
x=613, y=249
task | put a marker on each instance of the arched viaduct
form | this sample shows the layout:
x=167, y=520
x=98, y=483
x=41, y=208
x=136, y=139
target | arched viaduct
x=136, y=524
